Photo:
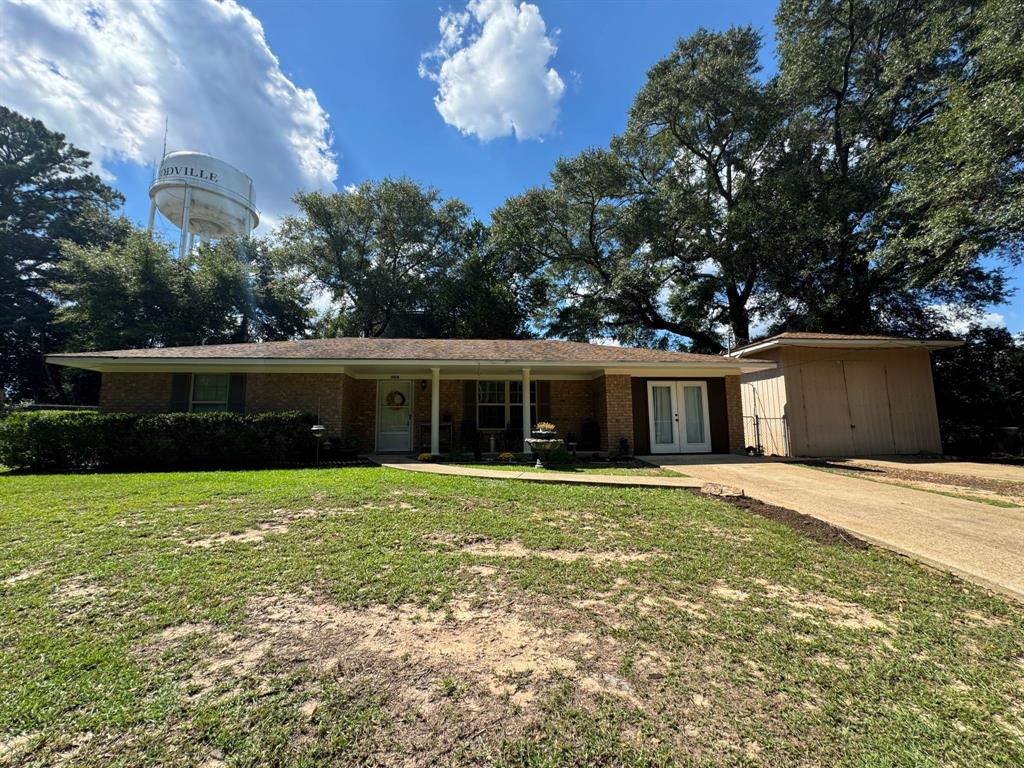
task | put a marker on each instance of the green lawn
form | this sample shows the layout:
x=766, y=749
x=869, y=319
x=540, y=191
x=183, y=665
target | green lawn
x=644, y=471
x=375, y=617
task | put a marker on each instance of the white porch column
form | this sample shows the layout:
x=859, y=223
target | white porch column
x=435, y=411
x=527, y=426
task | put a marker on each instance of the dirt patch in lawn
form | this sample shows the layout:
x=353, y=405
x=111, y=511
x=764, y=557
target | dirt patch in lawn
x=28, y=573
x=516, y=549
x=838, y=613
x=811, y=527
x=484, y=658
x=248, y=536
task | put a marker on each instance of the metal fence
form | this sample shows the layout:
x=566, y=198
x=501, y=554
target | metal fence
x=769, y=436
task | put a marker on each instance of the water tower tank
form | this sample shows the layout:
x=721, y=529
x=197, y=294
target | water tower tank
x=203, y=196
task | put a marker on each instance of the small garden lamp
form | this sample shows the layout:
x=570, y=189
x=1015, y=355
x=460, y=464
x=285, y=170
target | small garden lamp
x=319, y=433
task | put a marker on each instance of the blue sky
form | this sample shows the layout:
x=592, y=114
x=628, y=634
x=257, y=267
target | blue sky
x=326, y=94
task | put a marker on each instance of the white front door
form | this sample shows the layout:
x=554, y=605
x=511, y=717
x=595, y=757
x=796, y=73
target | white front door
x=394, y=416
x=678, y=416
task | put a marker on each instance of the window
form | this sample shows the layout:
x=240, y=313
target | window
x=210, y=392
x=500, y=404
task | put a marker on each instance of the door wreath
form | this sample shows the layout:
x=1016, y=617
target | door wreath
x=395, y=399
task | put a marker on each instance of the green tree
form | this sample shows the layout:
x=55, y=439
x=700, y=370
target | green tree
x=974, y=408
x=47, y=194
x=661, y=232
x=961, y=176
x=136, y=294
x=867, y=85
x=399, y=260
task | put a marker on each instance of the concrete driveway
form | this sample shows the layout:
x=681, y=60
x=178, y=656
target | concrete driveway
x=977, y=541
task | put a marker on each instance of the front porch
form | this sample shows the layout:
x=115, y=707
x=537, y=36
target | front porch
x=489, y=413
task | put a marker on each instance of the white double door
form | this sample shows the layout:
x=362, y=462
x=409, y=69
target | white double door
x=678, y=415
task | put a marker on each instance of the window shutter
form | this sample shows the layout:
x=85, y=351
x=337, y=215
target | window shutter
x=543, y=401
x=469, y=398
x=181, y=383
x=236, y=393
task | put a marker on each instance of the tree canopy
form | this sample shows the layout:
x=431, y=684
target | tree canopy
x=47, y=194
x=136, y=294
x=397, y=259
x=858, y=190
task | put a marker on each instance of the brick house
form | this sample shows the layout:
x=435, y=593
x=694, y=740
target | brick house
x=408, y=395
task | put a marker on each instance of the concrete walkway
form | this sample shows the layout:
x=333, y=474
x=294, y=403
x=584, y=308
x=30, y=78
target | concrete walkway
x=577, y=478
x=979, y=542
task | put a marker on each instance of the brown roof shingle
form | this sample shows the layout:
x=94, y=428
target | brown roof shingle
x=484, y=350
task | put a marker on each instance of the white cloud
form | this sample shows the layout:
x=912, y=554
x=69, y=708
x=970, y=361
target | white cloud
x=959, y=321
x=107, y=73
x=492, y=73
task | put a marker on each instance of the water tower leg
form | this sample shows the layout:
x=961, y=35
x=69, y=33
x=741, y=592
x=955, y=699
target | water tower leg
x=152, y=216
x=184, y=221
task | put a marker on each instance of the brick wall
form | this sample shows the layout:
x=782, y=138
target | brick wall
x=734, y=412
x=359, y=411
x=135, y=392
x=614, y=398
x=572, y=403
x=310, y=392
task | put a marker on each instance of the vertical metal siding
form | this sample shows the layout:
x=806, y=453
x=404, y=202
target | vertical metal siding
x=764, y=408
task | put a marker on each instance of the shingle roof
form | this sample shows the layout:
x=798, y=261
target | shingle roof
x=484, y=350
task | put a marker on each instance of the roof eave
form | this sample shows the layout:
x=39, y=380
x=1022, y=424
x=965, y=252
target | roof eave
x=761, y=346
x=110, y=363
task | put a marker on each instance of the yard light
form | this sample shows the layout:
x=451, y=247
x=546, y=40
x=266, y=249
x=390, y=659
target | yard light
x=319, y=432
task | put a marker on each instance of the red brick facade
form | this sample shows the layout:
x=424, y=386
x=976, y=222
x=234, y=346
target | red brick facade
x=734, y=414
x=572, y=404
x=359, y=411
x=349, y=405
x=136, y=392
x=614, y=410
x=316, y=393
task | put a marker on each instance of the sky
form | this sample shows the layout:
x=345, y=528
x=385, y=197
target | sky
x=477, y=100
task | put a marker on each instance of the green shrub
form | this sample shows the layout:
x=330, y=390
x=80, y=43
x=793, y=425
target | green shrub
x=69, y=439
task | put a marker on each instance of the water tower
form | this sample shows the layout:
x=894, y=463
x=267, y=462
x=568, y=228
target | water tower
x=204, y=197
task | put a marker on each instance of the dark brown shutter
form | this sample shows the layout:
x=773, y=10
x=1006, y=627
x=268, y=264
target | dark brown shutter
x=236, y=393
x=543, y=401
x=469, y=399
x=181, y=384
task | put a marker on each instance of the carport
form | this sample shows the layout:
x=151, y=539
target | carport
x=841, y=395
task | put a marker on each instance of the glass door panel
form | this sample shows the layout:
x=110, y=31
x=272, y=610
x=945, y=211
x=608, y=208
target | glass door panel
x=663, y=416
x=695, y=417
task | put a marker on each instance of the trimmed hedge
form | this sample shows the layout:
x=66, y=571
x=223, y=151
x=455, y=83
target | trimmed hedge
x=75, y=439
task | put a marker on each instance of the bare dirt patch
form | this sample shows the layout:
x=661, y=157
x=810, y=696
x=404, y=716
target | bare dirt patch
x=515, y=549
x=248, y=536
x=78, y=589
x=727, y=593
x=839, y=613
x=504, y=655
x=28, y=573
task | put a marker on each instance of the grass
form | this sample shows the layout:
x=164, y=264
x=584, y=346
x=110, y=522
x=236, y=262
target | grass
x=373, y=617
x=645, y=471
